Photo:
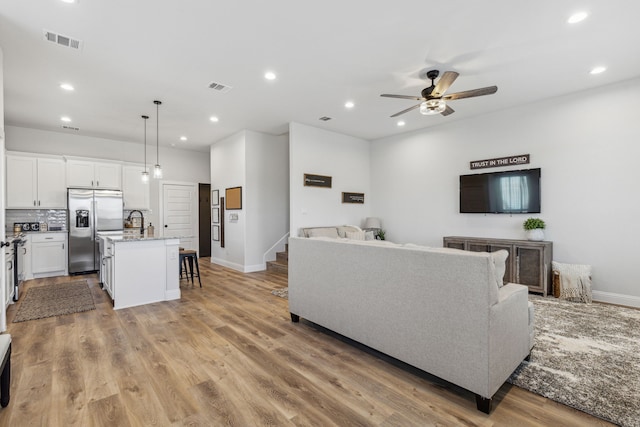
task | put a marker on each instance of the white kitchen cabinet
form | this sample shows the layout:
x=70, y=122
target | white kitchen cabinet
x=49, y=254
x=89, y=174
x=35, y=183
x=135, y=192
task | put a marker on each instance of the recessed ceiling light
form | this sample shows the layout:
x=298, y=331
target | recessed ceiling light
x=183, y=138
x=349, y=104
x=66, y=86
x=65, y=119
x=270, y=75
x=577, y=17
x=214, y=119
x=598, y=70
x=69, y=1
x=401, y=123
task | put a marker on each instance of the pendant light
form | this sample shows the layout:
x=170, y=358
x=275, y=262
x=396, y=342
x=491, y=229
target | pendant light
x=157, y=169
x=145, y=173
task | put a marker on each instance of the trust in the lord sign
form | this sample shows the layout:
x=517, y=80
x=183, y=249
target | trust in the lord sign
x=522, y=159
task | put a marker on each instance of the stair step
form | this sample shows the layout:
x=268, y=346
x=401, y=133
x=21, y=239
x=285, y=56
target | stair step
x=278, y=267
x=282, y=256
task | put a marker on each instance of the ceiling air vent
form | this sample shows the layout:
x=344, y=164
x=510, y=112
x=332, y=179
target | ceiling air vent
x=62, y=40
x=219, y=87
x=69, y=127
x=325, y=118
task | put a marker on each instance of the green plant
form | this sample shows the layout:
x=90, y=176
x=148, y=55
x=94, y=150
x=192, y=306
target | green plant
x=380, y=234
x=533, y=223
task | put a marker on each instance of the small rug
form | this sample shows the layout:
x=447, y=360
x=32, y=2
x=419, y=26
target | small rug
x=586, y=356
x=282, y=292
x=55, y=300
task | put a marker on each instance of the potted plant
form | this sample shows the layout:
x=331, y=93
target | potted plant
x=534, y=227
x=380, y=234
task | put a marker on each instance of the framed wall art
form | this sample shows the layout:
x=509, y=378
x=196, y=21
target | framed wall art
x=215, y=215
x=357, y=198
x=215, y=197
x=311, y=180
x=233, y=197
x=215, y=233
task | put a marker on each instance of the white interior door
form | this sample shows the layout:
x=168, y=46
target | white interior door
x=179, y=213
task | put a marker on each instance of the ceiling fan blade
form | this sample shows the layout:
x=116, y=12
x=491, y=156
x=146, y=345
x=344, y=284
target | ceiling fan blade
x=471, y=93
x=443, y=84
x=417, y=98
x=406, y=111
x=448, y=111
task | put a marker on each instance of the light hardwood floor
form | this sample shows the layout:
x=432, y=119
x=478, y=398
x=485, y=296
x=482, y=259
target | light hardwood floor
x=228, y=354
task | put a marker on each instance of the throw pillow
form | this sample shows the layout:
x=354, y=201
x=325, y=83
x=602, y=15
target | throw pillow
x=499, y=261
x=324, y=232
x=575, y=281
x=355, y=235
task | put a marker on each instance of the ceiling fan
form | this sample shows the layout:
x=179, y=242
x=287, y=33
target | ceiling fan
x=434, y=100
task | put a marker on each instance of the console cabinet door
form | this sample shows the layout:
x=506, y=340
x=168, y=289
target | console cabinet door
x=529, y=268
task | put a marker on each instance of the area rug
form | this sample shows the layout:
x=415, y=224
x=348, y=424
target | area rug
x=55, y=300
x=281, y=292
x=586, y=356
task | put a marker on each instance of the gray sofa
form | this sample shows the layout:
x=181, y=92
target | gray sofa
x=443, y=311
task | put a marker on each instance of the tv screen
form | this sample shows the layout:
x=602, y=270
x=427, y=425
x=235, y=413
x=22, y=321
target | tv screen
x=501, y=192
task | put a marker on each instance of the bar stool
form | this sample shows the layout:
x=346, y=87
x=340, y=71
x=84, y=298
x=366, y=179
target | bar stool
x=187, y=258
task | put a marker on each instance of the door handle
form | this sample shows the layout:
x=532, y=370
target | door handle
x=3, y=244
x=166, y=226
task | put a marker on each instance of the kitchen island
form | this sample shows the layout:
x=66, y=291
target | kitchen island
x=139, y=270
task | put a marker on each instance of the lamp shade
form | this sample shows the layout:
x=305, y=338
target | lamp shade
x=372, y=222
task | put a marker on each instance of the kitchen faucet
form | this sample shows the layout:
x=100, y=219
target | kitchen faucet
x=141, y=220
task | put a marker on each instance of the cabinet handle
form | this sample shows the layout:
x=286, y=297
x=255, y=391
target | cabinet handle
x=38, y=202
x=92, y=183
x=25, y=251
x=48, y=238
x=34, y=203
x=63, y=246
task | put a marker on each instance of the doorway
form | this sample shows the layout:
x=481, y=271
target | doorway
x=204, y=219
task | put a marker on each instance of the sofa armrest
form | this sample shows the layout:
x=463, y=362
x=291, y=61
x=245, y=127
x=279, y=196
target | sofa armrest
x=508, y=333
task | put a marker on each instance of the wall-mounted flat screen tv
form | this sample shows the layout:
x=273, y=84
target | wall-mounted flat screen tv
x=501, y=192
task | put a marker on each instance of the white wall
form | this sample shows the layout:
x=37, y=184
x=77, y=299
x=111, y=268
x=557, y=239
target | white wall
x=344, y=158
x=228, y=170
x=258, y=163
x=177, y=165
x=587, y=145
x=267, y=195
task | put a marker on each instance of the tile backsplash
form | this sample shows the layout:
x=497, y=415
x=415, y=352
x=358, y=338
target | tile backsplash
x=53, y=217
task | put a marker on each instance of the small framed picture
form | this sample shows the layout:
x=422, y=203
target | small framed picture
x=215, y=233
x=215, y=215
x=215, y=197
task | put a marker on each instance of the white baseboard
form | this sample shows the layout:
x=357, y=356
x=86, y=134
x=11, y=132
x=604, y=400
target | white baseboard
x=172, y=294
x=620, y=299
x=256, y=267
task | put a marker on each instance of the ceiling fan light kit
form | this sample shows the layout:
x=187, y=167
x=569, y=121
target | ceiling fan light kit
x=433, y=106
x=433, y=97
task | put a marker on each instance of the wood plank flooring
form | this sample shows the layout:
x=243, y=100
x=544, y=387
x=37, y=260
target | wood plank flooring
x=228, y=354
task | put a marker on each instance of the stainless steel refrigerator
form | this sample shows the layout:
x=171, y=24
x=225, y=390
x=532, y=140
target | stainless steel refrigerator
x=91, y=211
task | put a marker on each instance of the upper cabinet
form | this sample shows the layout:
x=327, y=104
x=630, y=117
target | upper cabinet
x=88, y=174
x=134, y=191
x=34, y=183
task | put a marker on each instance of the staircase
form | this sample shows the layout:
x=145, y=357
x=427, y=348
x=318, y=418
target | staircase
x=281, y=264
